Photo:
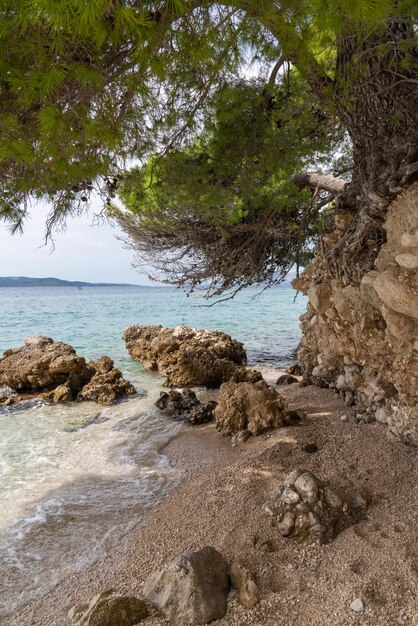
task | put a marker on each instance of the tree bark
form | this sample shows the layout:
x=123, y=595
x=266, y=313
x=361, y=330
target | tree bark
x=376, y=97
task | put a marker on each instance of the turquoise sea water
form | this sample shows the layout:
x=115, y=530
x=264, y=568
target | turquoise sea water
x=69, y=491
x=93, y=319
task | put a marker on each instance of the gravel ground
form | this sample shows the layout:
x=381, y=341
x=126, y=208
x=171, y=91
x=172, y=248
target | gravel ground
x=219, y=503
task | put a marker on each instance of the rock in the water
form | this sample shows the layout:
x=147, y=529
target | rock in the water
x=189, y=357
x=177, y=403
x=107, y=385
x=192, y=589
x=54, y=371
x=41, y=365
x=243, y=581
x=252, y=407
x=185, y=405
x=62, y=393
x=286, y=379
x=306, y=509
x=107, y=610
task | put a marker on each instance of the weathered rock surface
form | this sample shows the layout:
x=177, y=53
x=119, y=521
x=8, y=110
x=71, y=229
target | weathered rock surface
x=286, y=379
x=362, y=340
x=192, y=589
x=307, y=510
x=185, y=405
x=42, y=364
x=107, y=385
x=105, y=609
x=55, y=372
x=188, y=357
x=295, y=370
x=243, y=581
x=252, y=407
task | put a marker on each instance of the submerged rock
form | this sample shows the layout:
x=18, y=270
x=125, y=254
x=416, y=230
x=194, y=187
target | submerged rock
x=192, y=589
x=306, y=509
x=104, y=609
x=252, y=407
x=185, y=405
x=189, y=357
x=53, y=371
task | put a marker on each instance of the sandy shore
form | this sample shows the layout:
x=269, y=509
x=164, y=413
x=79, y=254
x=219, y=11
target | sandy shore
x=219, y=503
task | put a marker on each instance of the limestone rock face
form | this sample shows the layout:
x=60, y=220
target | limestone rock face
x=185, y=405
x=188, y=357
x=192, y=589
x=104, y=609
x=306, y=509
x=365, y=343
x=252, y=407
x=55, y=372
x=107, y=385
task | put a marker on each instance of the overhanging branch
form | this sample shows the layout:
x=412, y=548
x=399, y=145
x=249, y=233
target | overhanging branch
x=318, y=180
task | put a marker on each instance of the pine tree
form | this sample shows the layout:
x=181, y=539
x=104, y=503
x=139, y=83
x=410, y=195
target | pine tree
x=88, y=86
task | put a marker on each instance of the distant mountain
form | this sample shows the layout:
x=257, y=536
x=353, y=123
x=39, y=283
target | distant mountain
x=25, y=281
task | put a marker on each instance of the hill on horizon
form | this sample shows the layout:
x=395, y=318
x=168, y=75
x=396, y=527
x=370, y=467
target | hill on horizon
x=26, y=281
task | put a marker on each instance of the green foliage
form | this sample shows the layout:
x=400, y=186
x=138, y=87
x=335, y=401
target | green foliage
x=241, y=165
x=87, y=86
x=227, y=195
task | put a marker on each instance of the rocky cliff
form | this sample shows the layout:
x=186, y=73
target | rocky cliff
x=363, y=339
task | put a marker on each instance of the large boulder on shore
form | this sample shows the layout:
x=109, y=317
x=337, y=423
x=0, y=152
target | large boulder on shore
x=306, y=509
x=55, y=372
x=192, y=589
x=189, y=357
x=251, y=407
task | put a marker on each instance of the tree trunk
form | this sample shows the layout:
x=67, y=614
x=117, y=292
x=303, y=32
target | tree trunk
x=376, y=97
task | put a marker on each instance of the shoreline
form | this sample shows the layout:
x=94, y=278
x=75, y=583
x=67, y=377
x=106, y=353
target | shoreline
x=218, y=502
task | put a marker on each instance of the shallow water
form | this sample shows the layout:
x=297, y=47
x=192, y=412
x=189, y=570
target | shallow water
x=74, y=478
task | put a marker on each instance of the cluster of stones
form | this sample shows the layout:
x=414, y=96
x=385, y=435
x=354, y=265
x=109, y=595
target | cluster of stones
x=53, y=371
x=189, y=357
x=242, y=409
x=199, y=358
x=306, y=509
x=194, y=587
x=185, y=406
x=362, y=339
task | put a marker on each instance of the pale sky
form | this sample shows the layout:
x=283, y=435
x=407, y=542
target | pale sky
x=82, y=252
